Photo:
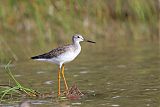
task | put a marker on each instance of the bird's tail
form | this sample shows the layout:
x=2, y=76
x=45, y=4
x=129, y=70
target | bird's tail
x=43, y=56
x=35, y=57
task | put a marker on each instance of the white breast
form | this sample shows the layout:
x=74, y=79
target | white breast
x=69, y=56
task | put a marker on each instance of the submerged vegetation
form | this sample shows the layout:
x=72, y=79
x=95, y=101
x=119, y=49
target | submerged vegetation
x=39, y=22
x=9, y=91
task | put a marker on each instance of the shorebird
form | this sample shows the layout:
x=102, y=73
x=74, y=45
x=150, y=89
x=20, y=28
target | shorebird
x=62, y=55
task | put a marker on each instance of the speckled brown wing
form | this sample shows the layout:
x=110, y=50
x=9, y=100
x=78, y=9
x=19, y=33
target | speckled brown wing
x=53, y=53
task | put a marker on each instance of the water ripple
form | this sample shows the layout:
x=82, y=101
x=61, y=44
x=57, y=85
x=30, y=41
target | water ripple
x=48, y=82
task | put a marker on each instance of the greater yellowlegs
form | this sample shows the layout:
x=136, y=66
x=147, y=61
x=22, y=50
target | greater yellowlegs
x=62, y=55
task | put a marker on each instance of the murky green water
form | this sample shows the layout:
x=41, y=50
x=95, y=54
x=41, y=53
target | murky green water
x=111, y=74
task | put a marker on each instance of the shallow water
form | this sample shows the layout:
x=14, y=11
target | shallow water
x=111, y=75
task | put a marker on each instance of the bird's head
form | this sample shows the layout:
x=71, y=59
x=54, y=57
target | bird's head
x=79, y=38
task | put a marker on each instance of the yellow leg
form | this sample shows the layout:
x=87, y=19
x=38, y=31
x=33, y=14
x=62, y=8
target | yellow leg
x=59, y=82
x=65, y=82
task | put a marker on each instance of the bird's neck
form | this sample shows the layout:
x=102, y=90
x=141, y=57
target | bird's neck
x=77, y=44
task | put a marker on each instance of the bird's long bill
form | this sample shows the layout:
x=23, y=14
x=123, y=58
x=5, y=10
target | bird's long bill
x=90, y=41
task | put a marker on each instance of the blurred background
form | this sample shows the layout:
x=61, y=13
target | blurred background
x=125, y=59
x=29, y=26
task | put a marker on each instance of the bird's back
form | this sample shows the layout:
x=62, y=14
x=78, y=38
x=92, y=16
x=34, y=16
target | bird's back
x=53, y=53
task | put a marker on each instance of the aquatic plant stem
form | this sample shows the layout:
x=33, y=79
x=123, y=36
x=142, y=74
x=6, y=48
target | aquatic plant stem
x=18, y=88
